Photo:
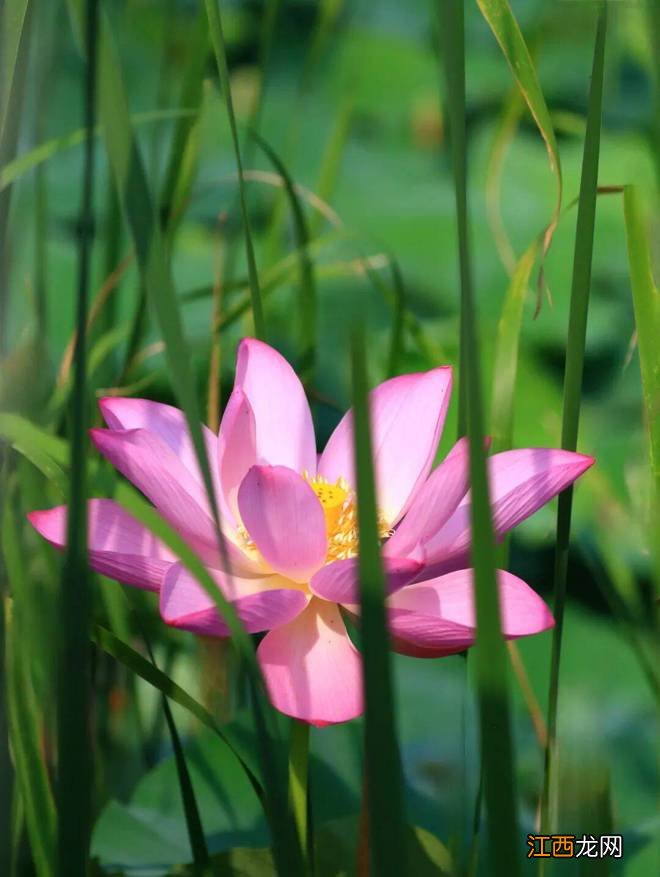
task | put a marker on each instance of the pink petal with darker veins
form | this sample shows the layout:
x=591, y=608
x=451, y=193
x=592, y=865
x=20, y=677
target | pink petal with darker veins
x=338, y=582
x=521, y=481
x=261, y=604
x=284, y=428
x=407, y=416
x=437, y=617
x=285, y=519
x=311, y=667
x=119, y=546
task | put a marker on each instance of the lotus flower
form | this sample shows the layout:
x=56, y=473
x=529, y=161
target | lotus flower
x=289, y=517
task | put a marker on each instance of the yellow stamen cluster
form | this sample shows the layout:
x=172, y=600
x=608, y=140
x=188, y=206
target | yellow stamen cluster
x=339, y=508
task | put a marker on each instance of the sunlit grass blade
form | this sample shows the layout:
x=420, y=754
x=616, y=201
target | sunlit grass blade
x=24, y=719
x=384, y=781
x=505, y=368
x=218, y=41
x=307, y=283
x=504, y=134
x=74, y=744
x=575, y=346
x=490, y=653
x=646, y=304
x=46, y=452
x=503, y=23
x=298, y=779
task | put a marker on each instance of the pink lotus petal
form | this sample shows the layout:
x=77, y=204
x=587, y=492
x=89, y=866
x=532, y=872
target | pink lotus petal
x=157, y=472
x=434, y=504
x=283, y=515
x=407, y=416
x=119, y=546
x=339, y=582
x=311, y=667
x=261, y=604
x=521, y=482
x=237, y=449
x=285, y=432
x=166, y=422
x=437, y=617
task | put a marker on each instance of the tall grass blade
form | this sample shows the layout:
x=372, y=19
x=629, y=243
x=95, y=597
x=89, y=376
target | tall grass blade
x=505, y=368
x=74, y=746
x=307, y=283
x=490, y=652
x=27, y=161
x=452, y=39
x=6, y=768
x=24, y=719
x=196, y=837
x=504, y=134
x=140, y=666
x=15, y=28
x=505, y=28
x=218, y=41
x=331, y=161
x=384, y=782
x=138, y=206
x=646, y=304
x=191, y=96
x=577, y=329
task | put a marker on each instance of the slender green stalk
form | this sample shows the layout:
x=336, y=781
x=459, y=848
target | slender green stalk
x=298, y=779
x=384, y=781
x=196, y=837
x=577, y=330
x=452, y=35
x=74, y=779
x=218, y=40
x=490, y=662
x=307, y=285
x=15, y=32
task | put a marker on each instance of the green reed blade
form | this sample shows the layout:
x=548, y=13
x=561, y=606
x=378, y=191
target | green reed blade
x=25, y=721
x=151, y=255
x=384, y=781
x=218, y=41
x=140, y=666
x=507, y=32
x=74, y=746
x=505, y=369
x=307, y=284
x=575, y=345
x=490, y=662
x=13, y=170
x=15, y=34
x=452, y=37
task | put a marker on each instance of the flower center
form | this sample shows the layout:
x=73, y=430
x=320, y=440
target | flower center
x=338, y=504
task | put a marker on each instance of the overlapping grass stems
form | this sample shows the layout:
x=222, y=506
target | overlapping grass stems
x=383, y=786
x=489, y=653
x=575, y=346
x=152, y=228
x=74, y=744
x=155, y=275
